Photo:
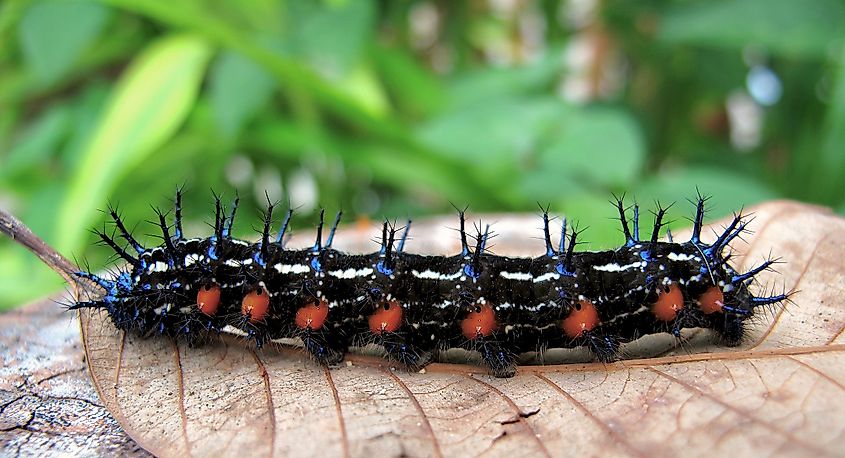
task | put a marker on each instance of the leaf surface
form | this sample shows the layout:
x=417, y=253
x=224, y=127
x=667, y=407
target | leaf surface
x=150, y=101
x=781, y=392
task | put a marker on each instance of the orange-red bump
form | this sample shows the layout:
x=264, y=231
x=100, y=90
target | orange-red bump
x=583, y=317
x=669, y=303
x=479, y=323
x=712, y=300
x=387, y=317
x=312, y=315
x=255, y=305
x=208, y=299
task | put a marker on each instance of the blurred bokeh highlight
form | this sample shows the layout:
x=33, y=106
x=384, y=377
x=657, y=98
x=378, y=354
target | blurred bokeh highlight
x=399, y=108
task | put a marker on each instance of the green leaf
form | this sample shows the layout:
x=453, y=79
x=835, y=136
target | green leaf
x=362, y=85
x=87, y=110
x=492, y=131
x=728, y=190
x=39, y=142
x=298, y=80
x=239, y=88
x=523, y=142
x=793, y=28
x=412, y=87
x=831, y=160
x=534, y=78
x=592, y=212
x=331, y=35
x=18, y=268
x=54, y=33
x=149, y=103
x=598, y=145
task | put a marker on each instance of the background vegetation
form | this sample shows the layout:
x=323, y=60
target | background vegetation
x=396, y=108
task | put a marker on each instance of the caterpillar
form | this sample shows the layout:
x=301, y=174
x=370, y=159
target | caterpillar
x=414, y=305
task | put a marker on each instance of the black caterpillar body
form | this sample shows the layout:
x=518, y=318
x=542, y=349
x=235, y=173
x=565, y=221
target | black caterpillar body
x=414, y=305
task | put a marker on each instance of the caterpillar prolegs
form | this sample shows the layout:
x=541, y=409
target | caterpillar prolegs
x=414, y=305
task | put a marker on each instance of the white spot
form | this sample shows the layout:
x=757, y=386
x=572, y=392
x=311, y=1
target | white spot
x=229, y=329
x=613, y=267
x=534, y=308
x=427, y=274
x=547, y=277
x=162, y=309
x=521, y=276
x=680, y=257
x=158, y=266
x=291, y=268
x=191, y=259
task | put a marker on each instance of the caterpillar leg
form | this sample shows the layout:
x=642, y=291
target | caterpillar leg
x=326, y=347
x=732, y=331
x=388, y=328
x=729, y=322
x=196, y=331
x=686, y=318
x=325, y=342
x=501, y=361
x=404, y=351
x=605, y=347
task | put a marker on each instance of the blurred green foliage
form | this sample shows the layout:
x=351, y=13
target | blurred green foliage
x=397, y=108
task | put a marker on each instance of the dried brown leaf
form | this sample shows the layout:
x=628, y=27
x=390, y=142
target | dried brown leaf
x=779, y=393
